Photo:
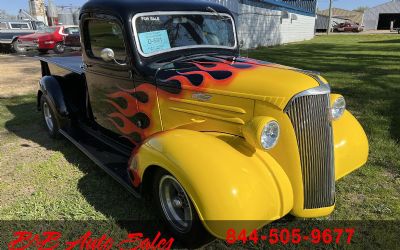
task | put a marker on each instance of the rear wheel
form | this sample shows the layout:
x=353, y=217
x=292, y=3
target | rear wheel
x=59, y=48
x=51, y=123
x=178, y=211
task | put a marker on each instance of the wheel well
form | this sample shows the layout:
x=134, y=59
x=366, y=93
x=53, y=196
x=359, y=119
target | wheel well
x=148, y=178
x=39, y=96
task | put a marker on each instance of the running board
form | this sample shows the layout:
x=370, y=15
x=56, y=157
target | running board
x=110, y=160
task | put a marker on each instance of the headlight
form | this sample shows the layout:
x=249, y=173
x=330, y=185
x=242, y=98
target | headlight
x=270, y=135
x=262, y=132
x=338, y=106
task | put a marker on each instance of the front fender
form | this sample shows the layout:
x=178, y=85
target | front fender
x=351, y=145
x=226, y=179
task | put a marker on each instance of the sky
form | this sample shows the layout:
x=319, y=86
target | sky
x=350, y=4
x=13, y=6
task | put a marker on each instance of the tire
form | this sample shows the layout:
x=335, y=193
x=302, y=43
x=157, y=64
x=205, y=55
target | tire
x=49, y=117
x=15, y=47
x=191, y=231
x=59, y=48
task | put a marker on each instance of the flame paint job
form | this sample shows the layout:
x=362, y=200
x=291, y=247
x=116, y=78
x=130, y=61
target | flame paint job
x=134, y=119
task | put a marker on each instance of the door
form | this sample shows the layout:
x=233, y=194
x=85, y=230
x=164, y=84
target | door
x=110, y=84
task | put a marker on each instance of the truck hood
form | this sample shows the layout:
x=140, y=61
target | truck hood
x=237, y=76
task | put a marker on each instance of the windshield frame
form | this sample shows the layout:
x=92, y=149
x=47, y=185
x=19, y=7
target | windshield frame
x=155, y=13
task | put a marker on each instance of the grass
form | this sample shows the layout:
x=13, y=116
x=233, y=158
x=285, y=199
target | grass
x=42, y=179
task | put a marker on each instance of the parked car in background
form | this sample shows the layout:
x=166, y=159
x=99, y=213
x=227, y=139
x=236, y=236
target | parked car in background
x=73, y=39
x=51, y=38
x=10, y=30
x=348, y=27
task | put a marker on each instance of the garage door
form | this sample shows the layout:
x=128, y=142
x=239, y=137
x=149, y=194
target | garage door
x=385, y=19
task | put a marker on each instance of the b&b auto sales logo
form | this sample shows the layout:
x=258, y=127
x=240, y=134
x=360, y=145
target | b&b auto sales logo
x=52, y=240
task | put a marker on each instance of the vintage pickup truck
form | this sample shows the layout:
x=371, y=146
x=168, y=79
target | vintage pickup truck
x=164, y=103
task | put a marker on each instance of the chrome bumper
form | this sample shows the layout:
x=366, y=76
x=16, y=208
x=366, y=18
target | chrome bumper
x=28, y=45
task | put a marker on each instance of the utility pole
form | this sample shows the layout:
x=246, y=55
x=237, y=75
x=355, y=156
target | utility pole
x=328, y=30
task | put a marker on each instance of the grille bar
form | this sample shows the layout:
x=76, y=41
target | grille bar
x=310, y=118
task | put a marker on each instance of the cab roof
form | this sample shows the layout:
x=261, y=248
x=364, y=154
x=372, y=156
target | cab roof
x=127, y=8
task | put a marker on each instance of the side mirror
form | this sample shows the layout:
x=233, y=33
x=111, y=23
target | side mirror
x=241, y=44
x=107, y=55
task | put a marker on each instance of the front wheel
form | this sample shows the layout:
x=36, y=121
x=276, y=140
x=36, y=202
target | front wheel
x=16, y=48
x=178, y=211
x=59, y=48
x=51, y=123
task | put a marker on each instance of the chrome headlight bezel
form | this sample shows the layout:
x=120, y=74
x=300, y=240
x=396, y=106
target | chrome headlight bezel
x=262, y=132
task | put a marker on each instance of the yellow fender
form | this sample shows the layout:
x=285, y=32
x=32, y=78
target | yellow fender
x=351, y=145
x=226, y=179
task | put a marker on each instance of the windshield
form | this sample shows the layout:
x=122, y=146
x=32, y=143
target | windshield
x=47, y=30
x=158, y=33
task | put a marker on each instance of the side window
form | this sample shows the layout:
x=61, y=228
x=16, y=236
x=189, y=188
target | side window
x=105, y=34
x=23, y=26
x=71, y=30
x=40, y=25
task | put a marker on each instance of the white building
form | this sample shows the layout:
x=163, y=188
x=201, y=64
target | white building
x=272, y=22
x=383, y=17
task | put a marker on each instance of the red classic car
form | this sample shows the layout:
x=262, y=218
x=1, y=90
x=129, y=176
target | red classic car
x=348, y=27
x=51, y=38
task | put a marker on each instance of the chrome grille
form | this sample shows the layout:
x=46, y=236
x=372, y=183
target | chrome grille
x=310, y=118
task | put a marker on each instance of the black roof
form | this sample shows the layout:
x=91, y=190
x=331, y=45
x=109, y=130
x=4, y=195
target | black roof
x=127, y=8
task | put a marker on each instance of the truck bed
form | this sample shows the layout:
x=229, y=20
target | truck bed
x=72, y=63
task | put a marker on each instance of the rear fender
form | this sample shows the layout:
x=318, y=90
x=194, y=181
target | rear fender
x=226, y=179
x=51, y=87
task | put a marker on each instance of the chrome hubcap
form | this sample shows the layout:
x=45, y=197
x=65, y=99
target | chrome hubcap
x=60, y=47
x=175, y=204
x=47, y=116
